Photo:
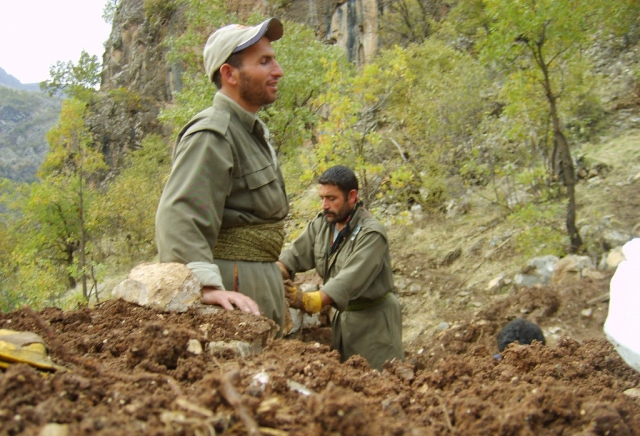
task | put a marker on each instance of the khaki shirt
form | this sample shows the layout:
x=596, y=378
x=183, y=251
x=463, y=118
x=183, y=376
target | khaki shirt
x=224, y=174
x=361, y=271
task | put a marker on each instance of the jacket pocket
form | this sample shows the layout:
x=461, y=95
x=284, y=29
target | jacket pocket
x=266, y=191
x=258, y=172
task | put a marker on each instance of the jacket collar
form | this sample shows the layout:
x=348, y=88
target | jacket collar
x=247, y=119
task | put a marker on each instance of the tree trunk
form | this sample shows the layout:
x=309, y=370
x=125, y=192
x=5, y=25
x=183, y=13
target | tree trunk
x=569, y=180
x=69, y=250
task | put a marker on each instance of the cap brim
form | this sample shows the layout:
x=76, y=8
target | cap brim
x=271, y=28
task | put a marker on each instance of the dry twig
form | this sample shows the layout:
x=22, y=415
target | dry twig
x=232, y=397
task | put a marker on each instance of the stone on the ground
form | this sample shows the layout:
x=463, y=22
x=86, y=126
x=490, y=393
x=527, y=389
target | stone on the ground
x=613, y=258
x=569, y=268
x=537, y=271
x=234, y=349
x=170, y=287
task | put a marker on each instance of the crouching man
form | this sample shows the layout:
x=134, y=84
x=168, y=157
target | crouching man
x=348, y=248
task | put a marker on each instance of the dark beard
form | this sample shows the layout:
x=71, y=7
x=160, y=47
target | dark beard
x=340, y=217
x=252, y=92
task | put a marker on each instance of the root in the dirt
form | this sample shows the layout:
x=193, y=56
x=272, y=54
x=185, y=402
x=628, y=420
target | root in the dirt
x=445, y=414
x=232, y=397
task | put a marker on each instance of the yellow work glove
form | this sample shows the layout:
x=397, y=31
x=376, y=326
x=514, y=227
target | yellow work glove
x=310, y=302
x=24, y=347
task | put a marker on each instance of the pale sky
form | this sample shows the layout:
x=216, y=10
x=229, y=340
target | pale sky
x=35, y=34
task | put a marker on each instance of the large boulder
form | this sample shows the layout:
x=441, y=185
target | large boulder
x=170, y=287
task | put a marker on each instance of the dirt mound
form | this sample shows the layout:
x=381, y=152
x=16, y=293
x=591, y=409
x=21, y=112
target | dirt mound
x=134, y=370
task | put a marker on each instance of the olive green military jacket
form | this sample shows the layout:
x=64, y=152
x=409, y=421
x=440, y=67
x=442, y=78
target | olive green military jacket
x=224, y=174
x=359, y=280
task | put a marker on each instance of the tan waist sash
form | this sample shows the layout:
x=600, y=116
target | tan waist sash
x=254, y=243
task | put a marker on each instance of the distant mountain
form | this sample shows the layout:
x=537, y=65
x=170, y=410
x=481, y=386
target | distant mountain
x=9, y=81
x=25, y=118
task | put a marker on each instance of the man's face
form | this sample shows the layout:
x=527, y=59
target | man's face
x=259, y=75
x=335, y=207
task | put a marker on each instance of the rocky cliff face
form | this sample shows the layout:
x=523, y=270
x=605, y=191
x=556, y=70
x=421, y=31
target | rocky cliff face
x=136, y=82
x=354, y=27
x=350, y=24
x=135, y=57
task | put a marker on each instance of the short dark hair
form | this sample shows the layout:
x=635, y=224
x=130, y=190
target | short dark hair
x=235, y=60
x=519, y=330
x=341, y=176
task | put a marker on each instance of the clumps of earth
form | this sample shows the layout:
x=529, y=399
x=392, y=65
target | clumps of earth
x=127, y=369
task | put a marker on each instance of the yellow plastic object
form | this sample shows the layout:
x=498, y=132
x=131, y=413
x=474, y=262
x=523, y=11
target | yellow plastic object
x=24, y=347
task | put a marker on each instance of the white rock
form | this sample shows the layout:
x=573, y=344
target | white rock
x=442, y=326
x=587, y=312
x=312, y=320
x=614, y=258
x=54, y=429
x=170, y=287
x=237, y=348
x=633, y=392
x=296, y=318
x=194, y=347
x=496, y=283
x=538, y=271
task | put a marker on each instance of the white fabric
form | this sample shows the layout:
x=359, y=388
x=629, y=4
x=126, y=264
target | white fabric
x=622, y=327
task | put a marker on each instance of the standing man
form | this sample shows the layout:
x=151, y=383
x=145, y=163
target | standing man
x=348, y=248
x=221, y=212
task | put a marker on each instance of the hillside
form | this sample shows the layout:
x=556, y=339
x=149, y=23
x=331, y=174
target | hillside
x=25, y=118
x=9, y=81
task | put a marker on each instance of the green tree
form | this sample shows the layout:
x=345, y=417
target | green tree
x=59, y=203
x=434, y=112
x=109, y=10
x=123, y=215
x=400, y=120
x=537, y=45
x=293, y=119
x=12, y=197
x=75, y=80
x=411, y=21
x=348, y=134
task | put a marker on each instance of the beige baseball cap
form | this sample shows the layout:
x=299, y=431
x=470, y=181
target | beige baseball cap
x=235, y=37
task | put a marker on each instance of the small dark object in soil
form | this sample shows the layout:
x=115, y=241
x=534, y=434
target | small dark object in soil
x=520, y=330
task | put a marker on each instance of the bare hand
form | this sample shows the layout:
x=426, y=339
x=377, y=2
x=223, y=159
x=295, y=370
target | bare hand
x=229, y=300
